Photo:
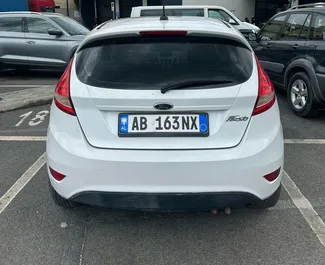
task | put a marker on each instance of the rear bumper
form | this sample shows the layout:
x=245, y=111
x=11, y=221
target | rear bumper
x=168, y=201
x=133, y=179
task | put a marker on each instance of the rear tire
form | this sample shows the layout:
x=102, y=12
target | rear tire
x=300, y=95
x=269, y=202
x=60, y=201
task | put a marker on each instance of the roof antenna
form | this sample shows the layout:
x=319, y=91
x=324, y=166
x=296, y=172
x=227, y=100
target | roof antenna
x=163, y=17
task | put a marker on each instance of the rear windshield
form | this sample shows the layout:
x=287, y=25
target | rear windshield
x=173, y=12
x=151, y=63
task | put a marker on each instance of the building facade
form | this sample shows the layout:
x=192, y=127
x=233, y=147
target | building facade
x=67, y=8
x=97, y=11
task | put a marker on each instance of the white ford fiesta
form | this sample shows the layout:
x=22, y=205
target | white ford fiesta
x=165, y=114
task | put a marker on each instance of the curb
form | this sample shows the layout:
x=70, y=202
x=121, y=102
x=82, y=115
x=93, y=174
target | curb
x=25, y=104
x=26, y=98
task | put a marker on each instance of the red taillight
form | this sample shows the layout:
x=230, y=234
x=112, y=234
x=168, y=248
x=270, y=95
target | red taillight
x=266, y=93
x=58, y=176
x=273, y=175
x=62, y=92
x=164, y=33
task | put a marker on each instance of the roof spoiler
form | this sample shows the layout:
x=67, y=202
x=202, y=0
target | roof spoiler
x=229, y=38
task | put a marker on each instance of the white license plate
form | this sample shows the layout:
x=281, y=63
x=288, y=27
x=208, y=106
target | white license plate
x=163, y=124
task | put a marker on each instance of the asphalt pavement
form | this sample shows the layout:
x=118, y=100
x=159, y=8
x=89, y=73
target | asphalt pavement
x=35, y=231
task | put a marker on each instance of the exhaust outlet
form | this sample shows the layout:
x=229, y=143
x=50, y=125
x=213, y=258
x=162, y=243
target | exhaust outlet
x=214, y=211
x=227, y=211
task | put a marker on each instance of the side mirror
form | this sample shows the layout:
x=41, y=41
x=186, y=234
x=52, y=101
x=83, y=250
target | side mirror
x=232, y=22
x=55, y=32
x=252, y=36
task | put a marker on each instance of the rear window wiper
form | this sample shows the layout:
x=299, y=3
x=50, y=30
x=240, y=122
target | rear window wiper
x=193, y=83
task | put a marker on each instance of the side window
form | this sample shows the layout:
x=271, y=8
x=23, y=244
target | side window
x=294, y=27
x=189, y=12
x=11, y=24
x=219, y=14
x=305, y=28
x=273, y=29
x=173, y=12
x=156, y=12
x=38, y=25
x=317, y=30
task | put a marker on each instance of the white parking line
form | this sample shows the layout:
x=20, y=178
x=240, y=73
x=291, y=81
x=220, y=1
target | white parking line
x=304, y=141
x=21, y=182
x=305, y=208
x=23, y=138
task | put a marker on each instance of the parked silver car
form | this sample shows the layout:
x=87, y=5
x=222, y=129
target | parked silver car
x=37, y=41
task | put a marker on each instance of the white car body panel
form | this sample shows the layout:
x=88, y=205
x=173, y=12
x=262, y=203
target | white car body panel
x=246, y=25
x=237, y=169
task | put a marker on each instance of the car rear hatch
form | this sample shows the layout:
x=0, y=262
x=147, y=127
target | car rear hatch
x=209, y=91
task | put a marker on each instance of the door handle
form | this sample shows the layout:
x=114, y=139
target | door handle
x=295, y=46
x=30, y=42
x=268, y=45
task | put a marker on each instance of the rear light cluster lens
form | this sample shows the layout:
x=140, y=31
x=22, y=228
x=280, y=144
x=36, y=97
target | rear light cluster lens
x=62, y=97
x=58, y=176
x=266, y=93
x=273, y=175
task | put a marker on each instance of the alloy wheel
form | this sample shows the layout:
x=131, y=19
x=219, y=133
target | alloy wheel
x=299, y=94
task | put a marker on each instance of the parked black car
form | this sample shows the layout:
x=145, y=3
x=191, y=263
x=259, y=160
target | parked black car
x=291, y=48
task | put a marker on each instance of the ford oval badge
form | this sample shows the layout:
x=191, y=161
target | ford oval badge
x=163, y=106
